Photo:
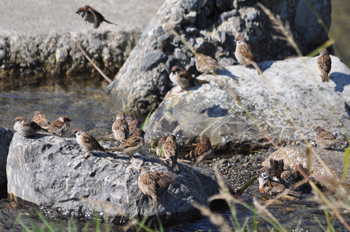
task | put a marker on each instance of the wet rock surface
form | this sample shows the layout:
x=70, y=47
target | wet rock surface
x=210, y=27
x=50, y=172
x=5, y=140
x=209, y=110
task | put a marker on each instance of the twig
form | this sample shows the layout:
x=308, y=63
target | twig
x=97, y=68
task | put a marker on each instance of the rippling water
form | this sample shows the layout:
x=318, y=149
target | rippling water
x=80, y=98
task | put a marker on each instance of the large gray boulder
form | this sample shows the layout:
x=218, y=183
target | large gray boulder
x=209, y=110
x=334, y=160
x=5, y=140
x=210, y=27
x=51, y=172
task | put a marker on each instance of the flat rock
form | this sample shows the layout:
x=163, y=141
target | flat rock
x=50, y=172
x=210, y=27
x=293, y=156
x=209, y=110
x=5, y=140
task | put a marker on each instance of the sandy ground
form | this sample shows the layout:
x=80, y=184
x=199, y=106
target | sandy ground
x=37, y=17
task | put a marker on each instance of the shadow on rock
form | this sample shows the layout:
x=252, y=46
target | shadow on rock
x=341, y=80
x=215, y=111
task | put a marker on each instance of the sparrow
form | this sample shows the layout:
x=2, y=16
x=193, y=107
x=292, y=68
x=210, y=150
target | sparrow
x=26, y=127
x=202, y=151
x=40, y=119
x=159, y=149
x=276, y=179
x=129, y=120
x=134, y=125
x=132, y=144
x=59, y=126
x=327, y=140
x=206, y=64
x=170, y=152
x=244, y=53
x=150, y=183
x=182, y=78
x=87, y=141
x=92, y=16
x=120, y=128
x=324, y=64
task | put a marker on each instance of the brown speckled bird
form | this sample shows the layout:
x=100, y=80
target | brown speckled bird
x=120, y=128
x=87, y=141
x=134, y=125
x=324, y=64
x=182, y=78
x=92, y=16
x=60, y=126
x=170, y=152
x=151, y=182
x=26, y=127
x=327, y=140
x=132, y=144
x=40, y=119
x=203, y=151
x=244, y=54
x=159, y=148
x=207, y=64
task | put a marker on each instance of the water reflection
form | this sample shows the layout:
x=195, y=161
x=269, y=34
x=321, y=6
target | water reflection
x=80, y=98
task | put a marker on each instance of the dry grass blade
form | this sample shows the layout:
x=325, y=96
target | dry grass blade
x=277, y=24
x=216, y=219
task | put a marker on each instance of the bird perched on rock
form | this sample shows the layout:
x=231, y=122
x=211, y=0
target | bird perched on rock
x=206, y=64
x=170, y=152
x=150, y=183
x=26, y=127
x=276, y=179
x=182, y=78
x=40, y=119
x=59, y=126
x=324, y=64
x=244, y=53
x=134, y=125
x=327, y=140
x=87, y=141
x=159, y=149
x=120, y=128
x=202, y=151
x=132, y=144
x=92, y=16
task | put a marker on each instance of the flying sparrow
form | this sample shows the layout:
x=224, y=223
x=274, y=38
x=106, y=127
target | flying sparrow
x=170, y=152
x=202, y=152
x=206, y=64
x=244, y=53
x=182, y=78
x=134, y=125
x=26, y=127
x=60, y=126
x=159, y=149
x=132, y=144
x=87, y=141
x=327, y=140
x=92, y=16
x=120, y=128
x=151, y=182
x=40, y=119
x=324, y=64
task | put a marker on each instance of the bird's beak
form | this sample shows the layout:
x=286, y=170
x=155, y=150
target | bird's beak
x=77, y=12
x=72, y=135
x=13, y=121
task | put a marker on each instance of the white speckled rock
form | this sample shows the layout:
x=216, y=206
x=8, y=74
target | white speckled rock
x=209, y=110
x=50, y=172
